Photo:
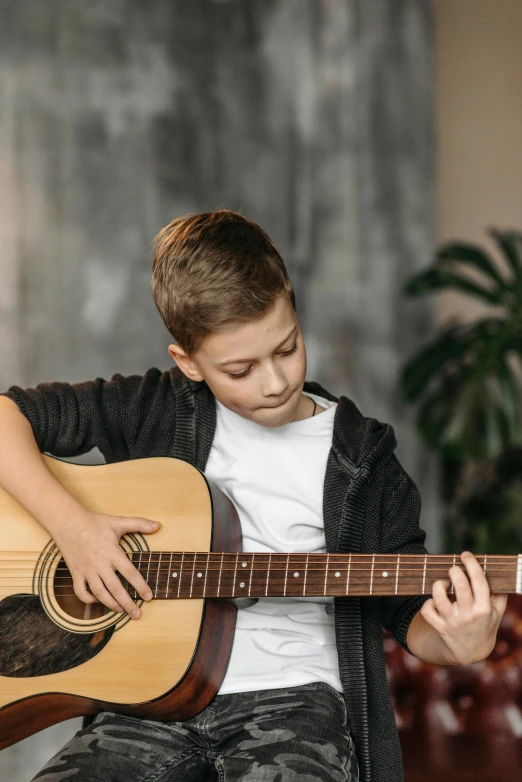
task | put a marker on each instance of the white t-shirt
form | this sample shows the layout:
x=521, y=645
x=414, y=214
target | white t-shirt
x=275, y=477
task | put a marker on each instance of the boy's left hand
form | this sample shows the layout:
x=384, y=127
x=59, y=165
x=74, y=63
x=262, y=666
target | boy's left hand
x=468, y=626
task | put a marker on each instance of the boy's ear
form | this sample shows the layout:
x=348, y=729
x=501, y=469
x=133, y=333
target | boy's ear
x=186, y=364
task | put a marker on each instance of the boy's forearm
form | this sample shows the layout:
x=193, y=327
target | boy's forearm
x=24, y=474
x=425, y=642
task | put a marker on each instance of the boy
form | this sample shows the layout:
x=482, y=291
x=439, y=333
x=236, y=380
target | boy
x=305, y=695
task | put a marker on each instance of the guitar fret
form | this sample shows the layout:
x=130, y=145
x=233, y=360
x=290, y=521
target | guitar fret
x=148, y=568
x=424, y=574
x=371, y=576
x=251, y=574
x=219, y=576
x=206, y=574
x=192, y=576
x=348, y=576
x=452, y=588
x=157, y=576
x=286, y=574
x=326, y=572
x=485, y=563
x=181, y=570
x=397, y=573
x=306, y=574
x=235, y=576
x=268, y=574
x=139, y=568
x=169, y=575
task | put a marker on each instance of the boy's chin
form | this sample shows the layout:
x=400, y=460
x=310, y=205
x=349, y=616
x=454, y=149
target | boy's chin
x=277, y=416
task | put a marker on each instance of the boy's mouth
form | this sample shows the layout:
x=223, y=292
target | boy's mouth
x=273, y=407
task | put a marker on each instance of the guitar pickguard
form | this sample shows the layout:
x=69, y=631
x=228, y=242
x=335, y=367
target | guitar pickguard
x=33, y=645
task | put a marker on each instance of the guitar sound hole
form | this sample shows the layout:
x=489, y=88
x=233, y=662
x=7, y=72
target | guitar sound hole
x=67, y=600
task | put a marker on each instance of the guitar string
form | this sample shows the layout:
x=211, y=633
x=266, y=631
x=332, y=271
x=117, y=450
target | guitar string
x=292, y=563
x=343, y=558
x=246, y=554
x=275, y=582
x=259, y=576
x=493, y=578
x=262, y=575
x=7, y=588
x=376, y=592
x=19, y=573
x=262, y=572
x=9, y=575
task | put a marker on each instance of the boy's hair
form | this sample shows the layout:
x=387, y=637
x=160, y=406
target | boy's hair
x=214, y=269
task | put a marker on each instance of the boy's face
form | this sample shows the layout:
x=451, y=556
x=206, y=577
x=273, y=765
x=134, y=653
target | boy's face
x=268, y=353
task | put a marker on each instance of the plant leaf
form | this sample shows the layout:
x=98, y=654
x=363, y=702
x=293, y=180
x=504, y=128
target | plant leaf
x=419, y=371
x=510, y=243
x=495, y=433
x=458, y=436
x=455, y=342
x=508, y=395
x=432, y=417
x=472, y=255
x=438, y=279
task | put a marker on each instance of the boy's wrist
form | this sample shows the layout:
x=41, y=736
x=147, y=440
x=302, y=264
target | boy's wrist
x=426, y=643
x=69, y=517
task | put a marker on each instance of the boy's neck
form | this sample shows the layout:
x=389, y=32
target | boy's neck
x=305, y=409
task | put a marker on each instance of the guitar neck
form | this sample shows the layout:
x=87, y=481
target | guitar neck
x=174, y=575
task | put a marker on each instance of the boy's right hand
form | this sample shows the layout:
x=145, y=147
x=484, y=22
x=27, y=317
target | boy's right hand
x=91, y=549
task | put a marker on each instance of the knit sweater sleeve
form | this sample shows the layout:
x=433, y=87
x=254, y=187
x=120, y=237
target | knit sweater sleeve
x=71, y=419
x=401, y=534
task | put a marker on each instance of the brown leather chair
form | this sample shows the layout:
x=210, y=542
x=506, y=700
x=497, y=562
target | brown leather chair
x=460, y=723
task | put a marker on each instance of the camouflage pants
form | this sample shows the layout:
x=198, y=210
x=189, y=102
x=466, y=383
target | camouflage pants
x=295, y=734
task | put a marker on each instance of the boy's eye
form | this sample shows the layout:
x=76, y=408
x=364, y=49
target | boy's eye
x=247, y=371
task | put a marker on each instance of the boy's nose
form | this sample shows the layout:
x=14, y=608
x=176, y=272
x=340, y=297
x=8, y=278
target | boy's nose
x=274, y=385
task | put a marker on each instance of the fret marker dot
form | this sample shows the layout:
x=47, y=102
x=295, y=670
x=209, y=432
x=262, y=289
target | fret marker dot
x=295, y=575
x=242, y=584
x=385, y=574
x=337, y=574
x=243, y=564
x=174, y=575
x=199, y=575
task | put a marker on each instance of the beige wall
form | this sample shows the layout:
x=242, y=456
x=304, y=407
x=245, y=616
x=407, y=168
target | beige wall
x=478, y=93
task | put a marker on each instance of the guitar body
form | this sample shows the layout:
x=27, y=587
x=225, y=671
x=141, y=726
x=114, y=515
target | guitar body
x=61, y=658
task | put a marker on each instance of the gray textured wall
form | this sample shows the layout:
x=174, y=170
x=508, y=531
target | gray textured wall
x=313, y=118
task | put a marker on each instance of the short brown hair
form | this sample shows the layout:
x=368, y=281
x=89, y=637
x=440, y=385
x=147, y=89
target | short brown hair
x=214, y=269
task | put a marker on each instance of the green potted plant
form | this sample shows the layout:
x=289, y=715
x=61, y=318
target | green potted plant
x=466, y=383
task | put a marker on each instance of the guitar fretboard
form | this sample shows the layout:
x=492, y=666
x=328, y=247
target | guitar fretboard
x=173, y=575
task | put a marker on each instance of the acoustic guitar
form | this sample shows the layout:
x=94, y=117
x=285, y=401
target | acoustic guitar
x=62, y=658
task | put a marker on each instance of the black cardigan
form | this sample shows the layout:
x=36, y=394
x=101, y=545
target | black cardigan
x=370, y=504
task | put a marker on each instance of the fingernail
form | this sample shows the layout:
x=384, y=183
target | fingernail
x=466, y=553
x=148, y=596
x=136, y=614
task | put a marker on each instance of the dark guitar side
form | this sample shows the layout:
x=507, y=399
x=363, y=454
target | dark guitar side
x=192, y=693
